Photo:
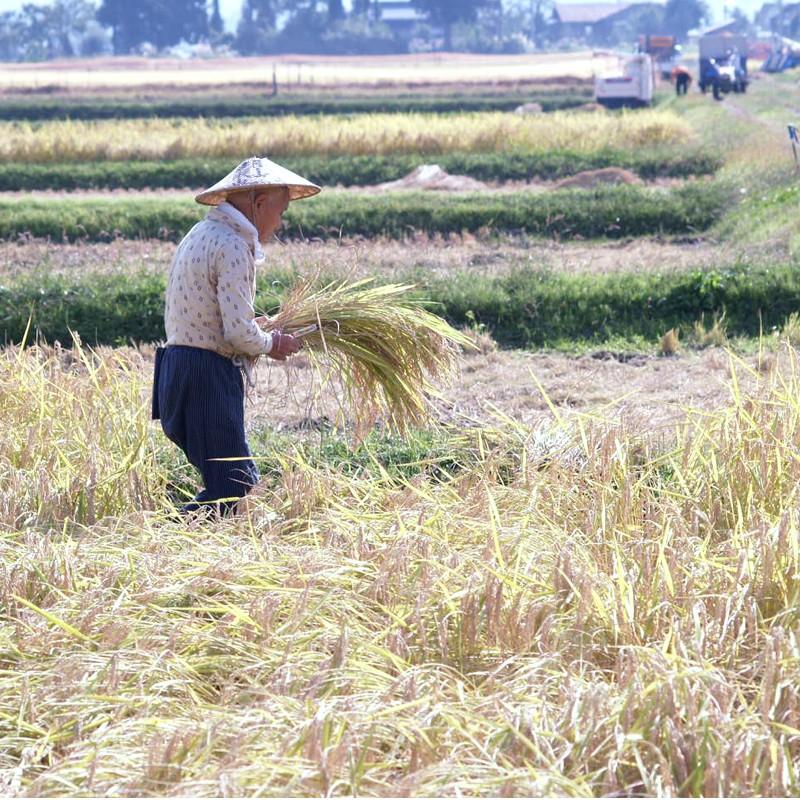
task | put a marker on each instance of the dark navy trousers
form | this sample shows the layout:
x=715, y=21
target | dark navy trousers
x=199, y=397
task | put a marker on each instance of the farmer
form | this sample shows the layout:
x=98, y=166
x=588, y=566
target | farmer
x=213, y=334
x=682, y=78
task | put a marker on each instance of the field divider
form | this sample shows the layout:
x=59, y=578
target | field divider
x=526, y=308
x=41, y=109
x=357, y=170
x=609, y=212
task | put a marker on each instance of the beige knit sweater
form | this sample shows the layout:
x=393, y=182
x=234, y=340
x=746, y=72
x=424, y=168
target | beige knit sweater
x=212, y=284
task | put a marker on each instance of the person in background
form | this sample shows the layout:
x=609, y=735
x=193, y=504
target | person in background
x=213, y=334
x=682, y=78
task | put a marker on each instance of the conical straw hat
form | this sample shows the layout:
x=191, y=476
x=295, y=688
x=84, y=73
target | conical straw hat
x=257, y=173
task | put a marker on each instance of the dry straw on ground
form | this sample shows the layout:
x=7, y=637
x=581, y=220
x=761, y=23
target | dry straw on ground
x=582, y=612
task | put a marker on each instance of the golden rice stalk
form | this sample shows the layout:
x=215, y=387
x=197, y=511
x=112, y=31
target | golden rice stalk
x=387, y=349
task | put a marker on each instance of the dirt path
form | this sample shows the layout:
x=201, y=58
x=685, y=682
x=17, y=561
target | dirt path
x=646, y=393
x=642, y=391
x=417, y=259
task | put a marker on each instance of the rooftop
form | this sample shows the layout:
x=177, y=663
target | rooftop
x=588, y=13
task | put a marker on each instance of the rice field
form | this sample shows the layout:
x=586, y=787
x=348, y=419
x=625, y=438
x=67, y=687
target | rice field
x=363, y=134
x=369, y=71
x=579, y=578
x=579, y=610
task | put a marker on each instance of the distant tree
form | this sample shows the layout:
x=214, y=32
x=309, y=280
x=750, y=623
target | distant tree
x=304, y=24
x=304, y=27
x=162, y=23
x=741, y=19
x=124, y=19
x=647, y=20
x=541, y=20
x=11, y=37
x=359, y=35
x=190, y=19
x=528, y=20
x=38, y=32
x=448, y=12
x=681, y=16
x=215, y=24
x=361, y=7
x=335, y=10
x=256, y=25
x=95, y=40
x=260, y=13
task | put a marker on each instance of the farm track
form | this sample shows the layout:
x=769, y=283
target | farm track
x=391, y=259
x=256, y=89
x=375, y=71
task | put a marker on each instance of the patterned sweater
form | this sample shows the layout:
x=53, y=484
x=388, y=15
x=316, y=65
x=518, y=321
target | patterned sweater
x=212, y=285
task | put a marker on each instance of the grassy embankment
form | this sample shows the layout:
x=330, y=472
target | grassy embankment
x=363, y=170
x=750, y=132
x=522, y=309
x=209, y=104
x=605, y=212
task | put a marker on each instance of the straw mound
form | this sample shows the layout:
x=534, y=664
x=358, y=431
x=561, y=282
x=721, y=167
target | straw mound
x=599, y=177
x=432, y=177
x=528, y=108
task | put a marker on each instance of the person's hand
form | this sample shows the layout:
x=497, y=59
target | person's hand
x=283, y=346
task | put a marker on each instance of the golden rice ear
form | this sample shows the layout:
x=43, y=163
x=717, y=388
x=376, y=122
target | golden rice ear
x=391, y=353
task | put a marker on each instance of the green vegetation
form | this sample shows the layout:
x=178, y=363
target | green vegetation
x=358, y=170
x=99, y=108
x=526, y=308
x=434, y=452
x=612, y=212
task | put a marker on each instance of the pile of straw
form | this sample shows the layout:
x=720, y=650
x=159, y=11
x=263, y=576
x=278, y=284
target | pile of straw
x=386, y=347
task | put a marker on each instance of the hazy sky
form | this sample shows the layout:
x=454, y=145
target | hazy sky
x=231, y=8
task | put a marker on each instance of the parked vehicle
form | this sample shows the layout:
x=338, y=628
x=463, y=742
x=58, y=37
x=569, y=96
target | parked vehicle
x=723, y=64
x=784, y=54
x=665, y=51
x=631, y=85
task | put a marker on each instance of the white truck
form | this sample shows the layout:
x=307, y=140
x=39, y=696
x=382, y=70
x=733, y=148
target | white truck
x=723, y=63
x=629, y=86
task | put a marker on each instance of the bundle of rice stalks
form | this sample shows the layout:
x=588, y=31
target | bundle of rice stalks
x=385, y=346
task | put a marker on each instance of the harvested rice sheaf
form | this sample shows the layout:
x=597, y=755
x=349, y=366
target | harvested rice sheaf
x=390, y=352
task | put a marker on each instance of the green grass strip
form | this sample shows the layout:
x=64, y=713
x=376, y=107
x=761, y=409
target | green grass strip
x=41, y=108
x=611, y=212
x=526, y=308
x=356, y=170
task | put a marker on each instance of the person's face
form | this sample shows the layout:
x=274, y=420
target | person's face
x=268, y=208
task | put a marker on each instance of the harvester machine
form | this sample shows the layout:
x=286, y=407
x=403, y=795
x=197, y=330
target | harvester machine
x=629, y=86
